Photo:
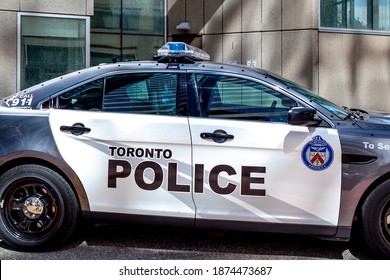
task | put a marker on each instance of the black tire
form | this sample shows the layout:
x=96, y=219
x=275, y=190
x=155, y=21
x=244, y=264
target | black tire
x=376, y=220
x=39, y=208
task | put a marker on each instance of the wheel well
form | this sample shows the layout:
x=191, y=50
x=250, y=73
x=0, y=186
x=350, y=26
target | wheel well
x=374, y=185
x=76, y=186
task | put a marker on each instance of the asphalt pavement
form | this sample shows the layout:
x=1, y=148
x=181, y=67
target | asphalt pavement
x=135, y=242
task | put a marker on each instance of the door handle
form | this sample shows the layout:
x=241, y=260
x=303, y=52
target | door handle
x=76, y=129
x=218, y=136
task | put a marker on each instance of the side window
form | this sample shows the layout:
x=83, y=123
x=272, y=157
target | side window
x=142, y=93
x=85, y=97
x=235, y=98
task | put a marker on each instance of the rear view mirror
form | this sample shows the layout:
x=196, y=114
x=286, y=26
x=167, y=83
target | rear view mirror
x=303, y=116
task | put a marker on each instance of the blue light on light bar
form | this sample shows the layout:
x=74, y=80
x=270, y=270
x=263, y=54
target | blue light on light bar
x=177, y=46
x=179, y=49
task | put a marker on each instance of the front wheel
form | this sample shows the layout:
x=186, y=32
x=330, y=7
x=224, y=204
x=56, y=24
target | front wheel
x=38, y=207
x=376, y=220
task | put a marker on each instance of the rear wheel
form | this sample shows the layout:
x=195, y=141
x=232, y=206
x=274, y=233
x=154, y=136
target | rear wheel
x=38, y=207
x=376, y=220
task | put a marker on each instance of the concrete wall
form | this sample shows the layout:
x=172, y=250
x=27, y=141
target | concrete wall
x=8, y=31
x=355, y=70
x=71, y=7
x=280, y=35
x=8, y=46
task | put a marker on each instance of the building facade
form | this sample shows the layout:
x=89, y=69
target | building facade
x=339, y=49
x=41, y=39
x=126, y=29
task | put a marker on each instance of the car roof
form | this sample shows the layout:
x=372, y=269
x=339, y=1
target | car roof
x=61, y=83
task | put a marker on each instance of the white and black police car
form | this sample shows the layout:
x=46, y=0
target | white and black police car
x=183, y=141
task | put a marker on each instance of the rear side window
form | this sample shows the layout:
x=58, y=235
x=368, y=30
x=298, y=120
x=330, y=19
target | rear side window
x=236, y=98
x=84, y=97
x=139, y=93
x=142, y=93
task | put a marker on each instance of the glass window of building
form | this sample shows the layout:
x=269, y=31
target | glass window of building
x=51, y=46
x=356, y=14
x=126, y=30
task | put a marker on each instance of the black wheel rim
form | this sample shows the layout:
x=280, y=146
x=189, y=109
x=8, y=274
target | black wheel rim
x=32, y=208
x=385, y=221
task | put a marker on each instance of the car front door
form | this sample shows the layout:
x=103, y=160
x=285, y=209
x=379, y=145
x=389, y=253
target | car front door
x=128, y=146
x=251, y=166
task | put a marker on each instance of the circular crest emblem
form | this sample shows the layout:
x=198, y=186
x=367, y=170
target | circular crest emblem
x=317, y=154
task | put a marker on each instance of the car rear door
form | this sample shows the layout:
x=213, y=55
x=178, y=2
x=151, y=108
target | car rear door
x=132, y=153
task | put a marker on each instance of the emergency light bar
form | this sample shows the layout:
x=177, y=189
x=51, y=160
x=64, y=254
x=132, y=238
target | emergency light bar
x=181, y=51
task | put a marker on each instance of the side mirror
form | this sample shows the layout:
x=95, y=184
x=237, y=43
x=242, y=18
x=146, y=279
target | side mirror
x=303, y=116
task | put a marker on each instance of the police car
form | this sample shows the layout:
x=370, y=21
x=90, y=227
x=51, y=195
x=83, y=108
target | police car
x=180, y=140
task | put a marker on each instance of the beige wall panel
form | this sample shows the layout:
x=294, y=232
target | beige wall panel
x=271, y=15
x=194, y=15
x=213, y=16
x=261, y=15
x=315, y=12
x=271, y=56
x=354, y=70
x=251, y=15
x=212, y=44
x=231, y=16
x=71, y=7
x=176, y=14
x=300, y=58
x=299, y=14
x=8, y=46
x=90, y=7
x=232, y=48
x=12, y=5
x=251, y=48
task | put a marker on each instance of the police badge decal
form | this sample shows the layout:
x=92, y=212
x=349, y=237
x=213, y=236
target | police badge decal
x=317, y=154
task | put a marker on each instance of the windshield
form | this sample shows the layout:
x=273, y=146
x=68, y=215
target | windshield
x=331, y=107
